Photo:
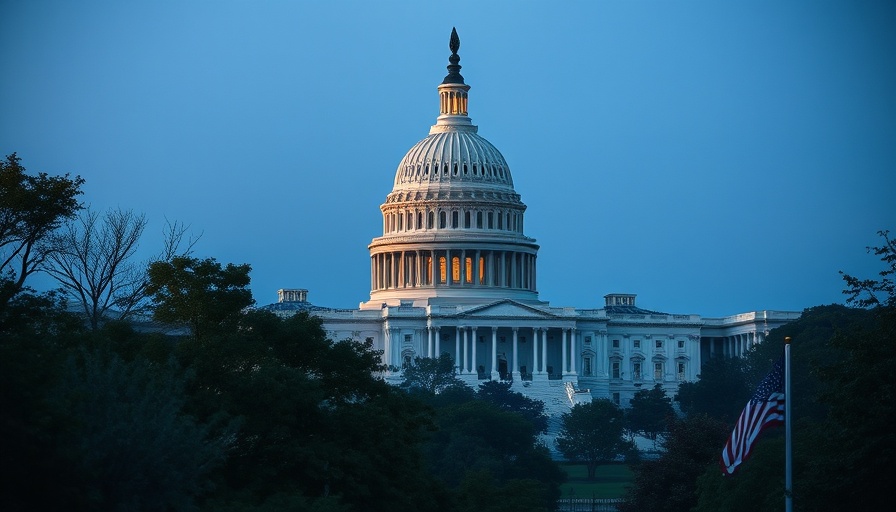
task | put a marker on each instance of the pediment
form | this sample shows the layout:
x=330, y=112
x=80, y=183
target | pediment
x=505, y=309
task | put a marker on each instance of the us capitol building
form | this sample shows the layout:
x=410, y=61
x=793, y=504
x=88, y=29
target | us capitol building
x=454, y=273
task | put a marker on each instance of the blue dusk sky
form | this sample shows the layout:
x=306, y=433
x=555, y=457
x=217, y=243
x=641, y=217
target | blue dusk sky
x=711, y=157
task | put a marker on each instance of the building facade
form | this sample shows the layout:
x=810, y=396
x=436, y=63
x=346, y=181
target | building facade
x=454, y=273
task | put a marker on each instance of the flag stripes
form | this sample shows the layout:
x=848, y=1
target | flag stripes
x=765, y=409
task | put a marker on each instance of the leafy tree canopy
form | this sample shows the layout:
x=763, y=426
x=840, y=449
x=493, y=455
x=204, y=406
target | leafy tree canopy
x=650, y=412
x=431, y=375
x=200, y=293
x=594, y=433
x=31, y=207
x=500, y=394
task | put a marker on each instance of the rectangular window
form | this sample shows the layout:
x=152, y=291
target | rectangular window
x=616, y=398
x=657, y=371
x=588, y=339
x=659, y=343
x=468, y=277
x=479, y=220
x=491, y=223
x=615, y=343
x=481, y=270
x=408, y=338
x=586, y=363
x=455, y=269
x=615, y=367
x=681, y=371
x=680, y=343
x=637, y=343
x=636, y=371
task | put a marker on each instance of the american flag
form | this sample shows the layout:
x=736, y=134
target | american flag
x=765, y=409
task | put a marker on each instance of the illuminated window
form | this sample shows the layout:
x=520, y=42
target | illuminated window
x=443, y=272
x=429, y=270
x=481, y=270
x=455, y=269
x=469, y=274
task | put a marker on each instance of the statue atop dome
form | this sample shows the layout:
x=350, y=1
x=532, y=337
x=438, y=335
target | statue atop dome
x=454, y=76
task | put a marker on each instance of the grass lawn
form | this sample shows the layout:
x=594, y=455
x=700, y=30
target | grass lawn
x=610, y=481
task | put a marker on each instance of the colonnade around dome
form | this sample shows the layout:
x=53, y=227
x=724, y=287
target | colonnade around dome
x=464, y=269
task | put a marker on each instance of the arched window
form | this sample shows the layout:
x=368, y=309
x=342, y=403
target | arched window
x=419, y=220
x=428, y=271
x=454, y=222
x=443, y=217
x=479, y=220
x=482, y=270
x=443, y=271
x=500, y=220
x=400, y=221
x=430, y=219
x=491, y=218
x=467, y=219
x=468, y=275
x=455, y=269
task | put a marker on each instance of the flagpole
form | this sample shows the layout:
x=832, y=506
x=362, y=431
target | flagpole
x=788, y=455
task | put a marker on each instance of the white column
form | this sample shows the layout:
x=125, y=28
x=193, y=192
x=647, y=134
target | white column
x=457, y=348
x=466, y=365
x=563, y=353
x=544, y=350
x=494, y=353
x=438, y=337
x=515, y=371
x=387, y=347
x=534, y=351
x=429, y=341
x=574, y=353
x=473, y=367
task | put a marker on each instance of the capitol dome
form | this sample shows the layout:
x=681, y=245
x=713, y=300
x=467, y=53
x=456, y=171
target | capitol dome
x=453, y=223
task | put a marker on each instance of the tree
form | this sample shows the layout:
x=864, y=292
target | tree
x=500, y=394
x=31, y=207
x=130, y=439
x=92, y=258
x=594, y=434
x=668, y=484
x=200, y=293
x=432, y=375
x=721, y=391
x=650, y=412
x=875, y=292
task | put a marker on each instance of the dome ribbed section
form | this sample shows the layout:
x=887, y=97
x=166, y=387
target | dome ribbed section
x=452, y=157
